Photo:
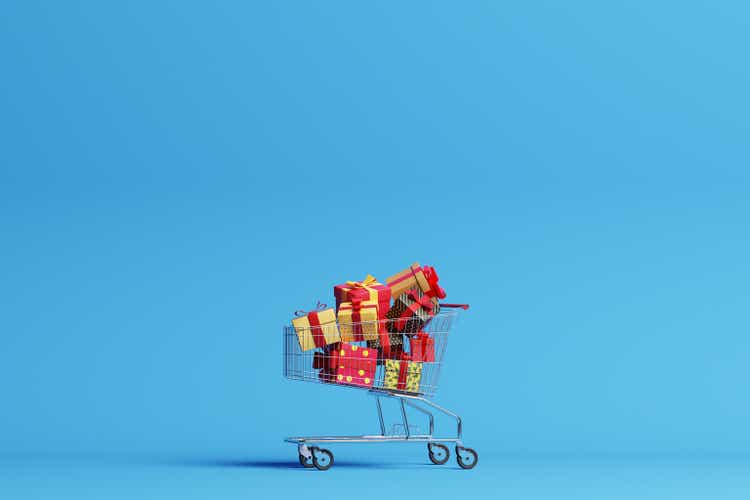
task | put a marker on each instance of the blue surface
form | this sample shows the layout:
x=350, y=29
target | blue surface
x=176, y=179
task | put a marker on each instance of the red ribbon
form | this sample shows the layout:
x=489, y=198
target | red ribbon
x=385, y=340
x=432, y=278
x=317, y=333
x=403, y=368
x=423, y=302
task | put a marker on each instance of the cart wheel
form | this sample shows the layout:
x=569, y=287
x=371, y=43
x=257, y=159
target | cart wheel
x=305, y=462
x=467, y=458
x=322, y=459
x=439, y=454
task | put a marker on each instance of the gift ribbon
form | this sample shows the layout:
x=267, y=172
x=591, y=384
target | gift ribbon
x=319, y=307
x=403, y=368
x=319, y=338
x=423, y=302
x=385, y=340
x=413, y=268
x=432, y=278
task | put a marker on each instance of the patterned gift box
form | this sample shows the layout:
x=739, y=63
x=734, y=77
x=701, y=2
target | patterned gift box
x=358, y=321
x=411, y=312
x=366, y=290
x=424, y=278
x=402, y=375
x=316, y=328
x=356, y=365
x=390, y=345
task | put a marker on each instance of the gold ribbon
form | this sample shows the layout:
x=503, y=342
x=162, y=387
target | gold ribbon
x=365, y=283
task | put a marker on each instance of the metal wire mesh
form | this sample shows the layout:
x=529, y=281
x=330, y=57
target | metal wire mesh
x=305, y=365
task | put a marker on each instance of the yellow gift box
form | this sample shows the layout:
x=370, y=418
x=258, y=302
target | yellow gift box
x=402, y=375
x=316, y=329
x=358, y=321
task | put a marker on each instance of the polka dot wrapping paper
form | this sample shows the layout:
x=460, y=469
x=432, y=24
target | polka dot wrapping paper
x=356, y=365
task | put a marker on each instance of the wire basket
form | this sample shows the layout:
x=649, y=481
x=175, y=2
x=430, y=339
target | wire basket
x=301, y=365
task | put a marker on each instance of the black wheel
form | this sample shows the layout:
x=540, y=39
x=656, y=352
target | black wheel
x=439, y=454
x=322, y=459
x=305, y=462
x=466, y=457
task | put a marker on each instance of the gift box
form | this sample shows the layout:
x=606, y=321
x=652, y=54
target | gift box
x=316, y=328
x=424, y=278
x=327, y=361
x=366, y=290
x=422, y=347
x=403, y=374
x=390, y=345
x=356, y=365
x=358, y=321
x=411, y=312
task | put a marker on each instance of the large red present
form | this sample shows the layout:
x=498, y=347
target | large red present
x=422, y=347
x=367, y=290
x=356, y=365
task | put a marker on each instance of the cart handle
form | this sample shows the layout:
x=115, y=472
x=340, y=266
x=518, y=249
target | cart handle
x=456, y=306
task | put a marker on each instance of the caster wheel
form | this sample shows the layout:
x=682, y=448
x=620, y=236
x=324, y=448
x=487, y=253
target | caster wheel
x=439, y=454
x=322, y=459
x=466, y=457
x=305, y=462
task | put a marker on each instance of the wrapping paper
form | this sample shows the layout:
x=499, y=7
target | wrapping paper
x=411, y=312
x=356, y=365
x=425, y=278
x=402, y=375
x=369, y=289
x=316, y=328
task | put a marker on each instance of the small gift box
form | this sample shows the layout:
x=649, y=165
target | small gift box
x=356, y=365
x=411, y=312
x=366, y=290
x=403, y=374
x=358, y=321
x=425, y=278
x=327, y=361
x=422, y=347
x=316, y=328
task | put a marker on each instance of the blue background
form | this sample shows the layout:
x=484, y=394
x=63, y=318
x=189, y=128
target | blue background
x=176, y=179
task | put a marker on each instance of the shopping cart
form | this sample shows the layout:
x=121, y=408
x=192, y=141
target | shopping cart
x=299, y=365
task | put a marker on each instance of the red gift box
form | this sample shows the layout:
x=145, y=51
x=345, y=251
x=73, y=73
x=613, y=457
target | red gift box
x=356, y=365
x=422, y=347
x=366, y=290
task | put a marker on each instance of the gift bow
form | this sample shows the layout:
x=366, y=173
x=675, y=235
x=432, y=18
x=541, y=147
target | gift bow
x=365, y=283
x=432, y=279
x=319, y=307
x=422, y=301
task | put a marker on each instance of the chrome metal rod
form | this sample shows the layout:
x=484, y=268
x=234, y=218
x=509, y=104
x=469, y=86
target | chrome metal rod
x=432, y=418
x=380, y=415
x=459, y=425
x=406, y=421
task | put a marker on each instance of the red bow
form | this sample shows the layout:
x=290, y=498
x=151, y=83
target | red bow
x=423, y=302
x=432, y=279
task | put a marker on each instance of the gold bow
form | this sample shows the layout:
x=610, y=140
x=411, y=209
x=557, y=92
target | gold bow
x=365, y=283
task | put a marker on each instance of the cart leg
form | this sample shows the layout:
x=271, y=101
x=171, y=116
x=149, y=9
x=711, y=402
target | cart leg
x=380, y=415
x=429, y=414
x=403, y=415
x=304, y=451
x=459, y=425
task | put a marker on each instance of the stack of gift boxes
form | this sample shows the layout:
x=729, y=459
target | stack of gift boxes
x=374, y=324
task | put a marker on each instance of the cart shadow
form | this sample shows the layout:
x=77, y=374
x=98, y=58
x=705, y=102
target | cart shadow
x=280, y=464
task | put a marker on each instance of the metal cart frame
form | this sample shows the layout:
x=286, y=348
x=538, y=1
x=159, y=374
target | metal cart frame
x=311, y=454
